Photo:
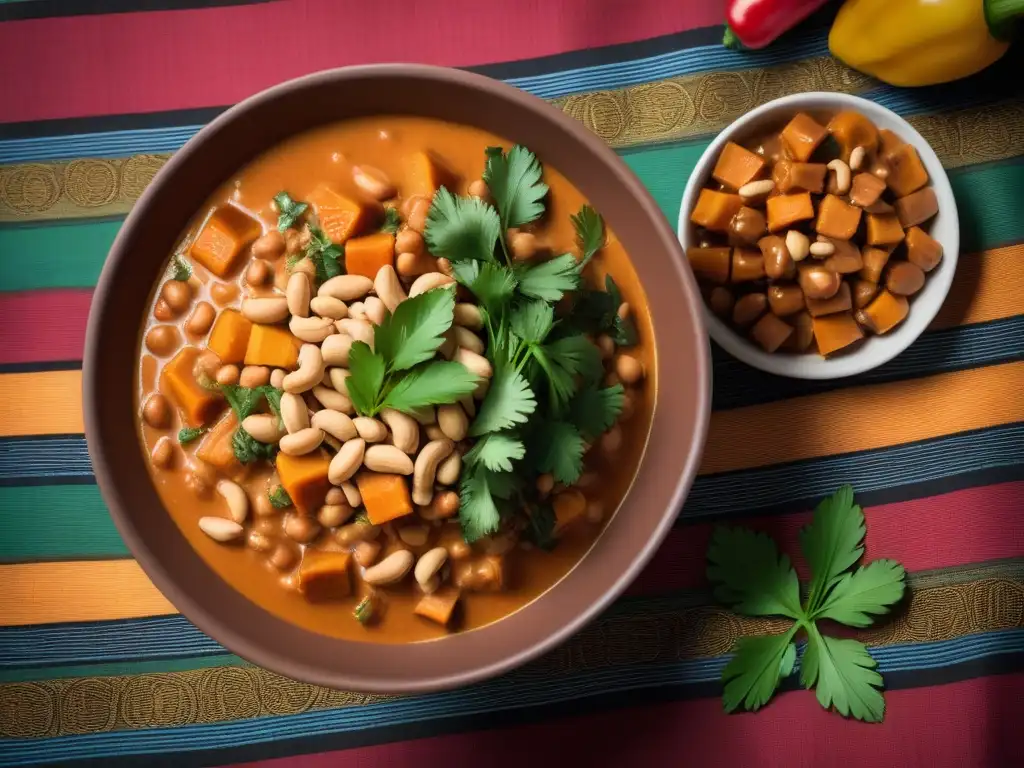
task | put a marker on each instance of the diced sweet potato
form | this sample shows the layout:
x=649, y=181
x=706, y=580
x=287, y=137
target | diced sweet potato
x=790, y=176
x=837, y=218
x=846, y=258
x=771, y=332
x=737, y=165
x=199, y=406
x=216, y=447
x=866, y=189
x=841, y=302
x=272, y=346
x=884, y=313
x=851, y=129
x=222, y=240
x=439, y=607
x=325, y=575
x=341, y=217
x=922, y=249
x=710, y=263
x=305, y=479
x=802, y=135
x=888, y=142
x=425, y=174
x=803, y=333
x=785, y=210
x=714, y=210
x=875, y=260
x=836, y=332
x=367, y=254
x=386, y=497
x=883, y=229
x=569, y=506
x=917, y=207
x=906, y=171
x=230, y=336
x=747, y=265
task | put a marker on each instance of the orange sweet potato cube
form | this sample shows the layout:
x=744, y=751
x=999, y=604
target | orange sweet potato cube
x=737, y=165
x=425, y=173
x=199, y=406
x=922, y=249
x=216, y=447
x=367, y=254
x=272, y=346
x=837, y=218
x=714, y=210
x=223, y=238
x=386, y=497
x=884, y=229
x=802, y=135
x=438, y=606
x=906, y=171
x=230, y=336
x=340, y=217
x=836, y=332
x=305, y=479
x=325, y=575
x=784, y=210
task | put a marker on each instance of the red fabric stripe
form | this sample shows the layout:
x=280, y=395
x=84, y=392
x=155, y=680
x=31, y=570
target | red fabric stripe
x=147, y=62
x=968, y=723
x=43, y=326
x=922, y=534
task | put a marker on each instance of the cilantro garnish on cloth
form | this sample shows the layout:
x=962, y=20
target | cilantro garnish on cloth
x=749, y=574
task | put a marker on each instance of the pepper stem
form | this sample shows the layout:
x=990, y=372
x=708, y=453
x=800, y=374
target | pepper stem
x=1001, y=15
x=732, y=42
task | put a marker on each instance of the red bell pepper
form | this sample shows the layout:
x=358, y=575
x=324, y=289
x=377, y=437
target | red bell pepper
x=755, y=23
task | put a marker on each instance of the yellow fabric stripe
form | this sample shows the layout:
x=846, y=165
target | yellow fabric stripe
x=44, y=403
x=987, y=286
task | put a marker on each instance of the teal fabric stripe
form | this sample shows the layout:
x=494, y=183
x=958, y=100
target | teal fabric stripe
x=523, y=688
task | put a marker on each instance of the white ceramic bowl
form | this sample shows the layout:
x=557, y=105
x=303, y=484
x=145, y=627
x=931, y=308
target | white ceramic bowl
x=944, y=227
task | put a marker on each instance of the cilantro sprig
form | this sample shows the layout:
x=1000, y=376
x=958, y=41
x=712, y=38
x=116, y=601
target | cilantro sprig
x=244, y=401
x=181, y=270
x=750, y=575
x=289, y=211
x=392, y=221
x=325, y=255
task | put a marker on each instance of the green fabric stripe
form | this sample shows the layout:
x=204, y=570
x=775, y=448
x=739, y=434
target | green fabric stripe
x=71, y=255
x=57, y=522
x=157, y=666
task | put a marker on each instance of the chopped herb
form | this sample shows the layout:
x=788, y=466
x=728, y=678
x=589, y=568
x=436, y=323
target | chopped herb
x=497, y=451
x=279, y=498
x=478, y=511
x=461, y=228
x=593, y=411
x=364, y=611
x=515, y=182
x=550, y=280
x=181, y=270
x=274, y=395
x=288, y=211
x=248, y=449
x=392, y=221
x=187, y=434
x=750, y=575
x=243, y=400
x=509, y=402
x=541, y=529
x=589, y=233
x=493, y=284
x=362, y=519
x=622, y=331
x=325, y=255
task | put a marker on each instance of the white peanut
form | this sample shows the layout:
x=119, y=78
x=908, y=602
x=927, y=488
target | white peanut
x=357, y=310
x=797, y=244
x=405, y=432
x=352, y=495
x=477, y=364
x=277, y=378
x=263, y=427
x=448, y=471
x=312, y=330
x=453, y=421
x=336, y=401
x=272, y=309
x=335, y=423
x=339, y=379
x=220, y=529
x=429, y=565
x=373, y=182
x=754, y=190
x=371, y=430
x=375, y=310
x=842, y=172
x=467, y=339
x=328, y=306
x=359, y=330
x=469, y=316
x=821, y=250
x=857, y=158
x=302, y=442
x=346, y=287
x=309, y=373
x=237, y=501
x=425, y=469
x=388, y=287
x=346, y=462
x=294, y=413
x=392, y=568
x=335, y=349
x=297, y=295
x=429, y=282
x=387, y=459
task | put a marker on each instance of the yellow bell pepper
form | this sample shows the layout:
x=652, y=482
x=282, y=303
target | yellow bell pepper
x=922, y=42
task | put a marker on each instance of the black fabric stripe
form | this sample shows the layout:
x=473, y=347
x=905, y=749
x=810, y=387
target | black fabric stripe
x=41, y=367
x=1006, y=663
x=44, y=9
x=48, y=481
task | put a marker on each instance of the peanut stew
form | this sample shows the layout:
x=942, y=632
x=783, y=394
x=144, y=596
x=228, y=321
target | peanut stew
x=396, y=380
x=861, y=193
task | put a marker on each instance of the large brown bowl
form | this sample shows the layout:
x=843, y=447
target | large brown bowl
x=136, y=260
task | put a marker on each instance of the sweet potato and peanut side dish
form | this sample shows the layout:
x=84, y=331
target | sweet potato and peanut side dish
x=812, y=236
x=390, y=388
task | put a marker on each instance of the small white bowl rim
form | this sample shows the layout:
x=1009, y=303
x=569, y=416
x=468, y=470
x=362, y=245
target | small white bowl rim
x=873, y=351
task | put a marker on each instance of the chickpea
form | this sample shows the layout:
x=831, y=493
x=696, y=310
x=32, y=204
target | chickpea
x=157, y=411
x=202, y=317
x=444, y=265
x=177, y=294
x=163, y=453
x=333, y=515
x=161, y=340
x=254, y=376
x=259, y=541
x=258, y=273
x=224, y=293
x=301, y=529
x=200, y=478
x=523, y=246
x=606, y=345
x=261, y=506
x=227, y=374
x=611, y=440
x=162, y=311
x=721, y=301
x=629, y=369
x=459, y=550
x=479, y=188
x=417, y=218
x=409, y=241
x=366, y=553
x=269, y=246
x=284, y=557
x=335, y=496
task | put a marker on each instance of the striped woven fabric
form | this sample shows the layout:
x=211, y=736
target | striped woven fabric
x=96, y=666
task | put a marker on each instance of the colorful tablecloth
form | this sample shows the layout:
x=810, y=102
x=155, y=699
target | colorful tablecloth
x=95, y=665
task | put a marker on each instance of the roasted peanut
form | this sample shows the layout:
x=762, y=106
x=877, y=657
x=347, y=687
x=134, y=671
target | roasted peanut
x=453, y=421
x=301, y=529
x=392, y=568
x=202, y=317
x=162, y=455
x=297, y=295
x=258, y=273
x=162, y=340
x=425, y=469
x=221, y=529
x=629, y=369
x=177, y=294
x=387, y=459
x=156, y=411
x=270, y=245
x=346, y=462
x=405, y=432
x=236, y=499
x=254, y=376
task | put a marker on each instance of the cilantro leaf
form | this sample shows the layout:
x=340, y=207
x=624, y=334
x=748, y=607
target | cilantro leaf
x=279, y=498
x=871, y=589
x=325, y=255
x=558, y=449
x=532, y=321
x=243, y=400
x=843, y=675
x=541, y=529
x=288, y=210
x=478, y=512
x=248, y=449
x=273, y=395
x=589, y=233
x=364, y=611
x=509, y=402
x=366, y=377
x=491, y=283
x=567, y=358
x=181, y=270
x=749, y=573
x=595, y=410
x=758, y=665
x=392, y=221
x=550, y=280
x=832, y=543
x=461, y=228
x=561, y=384
x=412, y=334
x=515, y=182
x=187, y=434
x=496, y=451
x=435, y=383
